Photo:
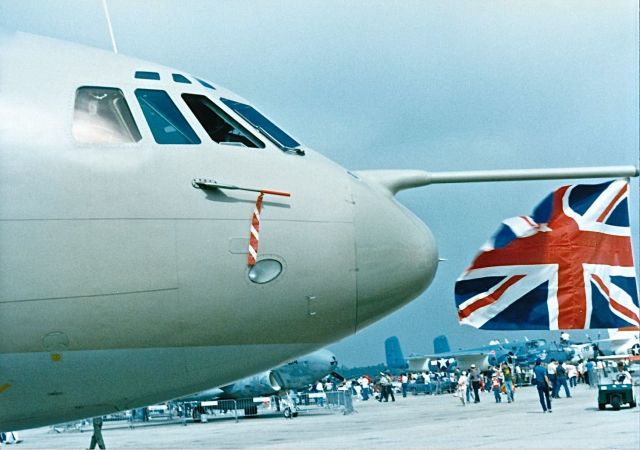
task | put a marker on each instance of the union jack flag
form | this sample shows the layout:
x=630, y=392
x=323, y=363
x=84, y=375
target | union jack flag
x=569, y=265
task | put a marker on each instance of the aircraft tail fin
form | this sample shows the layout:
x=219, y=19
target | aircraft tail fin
x=441, y=344
x=395, y=358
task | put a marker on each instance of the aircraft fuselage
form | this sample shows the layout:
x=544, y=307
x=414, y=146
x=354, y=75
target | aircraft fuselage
x=122, y=284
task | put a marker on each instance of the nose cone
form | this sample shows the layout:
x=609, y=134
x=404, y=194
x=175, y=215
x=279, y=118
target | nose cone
x=323, y=358
x=396, y=254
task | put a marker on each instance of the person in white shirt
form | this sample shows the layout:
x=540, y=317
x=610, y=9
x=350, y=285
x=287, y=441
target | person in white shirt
x=551, y=374
x=320, y=392
x=404, y=379
x=572, y=373
x=622, y=376
x=364, y=382
x=462, y=387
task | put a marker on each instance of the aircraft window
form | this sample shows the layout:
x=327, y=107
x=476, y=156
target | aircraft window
x=102, y=116
x=218, y=124
x=167, y=124
x=180, y=78
x=141, y=74
x=205, y=84
x=264, y=125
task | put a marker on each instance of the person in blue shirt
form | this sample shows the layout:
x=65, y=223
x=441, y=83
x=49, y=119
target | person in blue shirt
x=542, y=383
x=591, y=373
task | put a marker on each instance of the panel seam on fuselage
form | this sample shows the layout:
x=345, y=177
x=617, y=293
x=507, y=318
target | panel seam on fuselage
x=171, y=219
x=88, y=295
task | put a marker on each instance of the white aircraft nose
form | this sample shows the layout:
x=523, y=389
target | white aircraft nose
x=396, y=253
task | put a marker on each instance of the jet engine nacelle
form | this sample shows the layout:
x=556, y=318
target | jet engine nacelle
x=263, y=384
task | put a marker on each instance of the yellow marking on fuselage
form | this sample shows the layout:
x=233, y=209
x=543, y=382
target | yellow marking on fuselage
x=4, y=387
x=55, y=357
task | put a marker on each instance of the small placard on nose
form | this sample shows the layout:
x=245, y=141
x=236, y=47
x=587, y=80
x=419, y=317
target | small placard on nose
x=238, y=246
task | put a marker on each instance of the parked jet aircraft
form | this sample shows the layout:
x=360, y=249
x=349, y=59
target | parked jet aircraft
x=297, y=375
x=128, y=275
x=294, y=375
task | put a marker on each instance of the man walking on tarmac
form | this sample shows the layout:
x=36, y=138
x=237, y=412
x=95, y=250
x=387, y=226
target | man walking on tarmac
x=96, y=438
x=474, y=377
x=542, y=383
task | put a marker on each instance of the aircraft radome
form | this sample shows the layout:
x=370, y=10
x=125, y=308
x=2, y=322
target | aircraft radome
x=124, y=233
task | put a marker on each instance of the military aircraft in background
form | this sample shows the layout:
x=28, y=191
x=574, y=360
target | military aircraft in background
x=623, y=341
x=584, y=351
x=482, y=357
x=523, y=353
x=133, y=197
x=295, y=375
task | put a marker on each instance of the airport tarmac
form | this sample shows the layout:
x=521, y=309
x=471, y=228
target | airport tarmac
x=412, y=422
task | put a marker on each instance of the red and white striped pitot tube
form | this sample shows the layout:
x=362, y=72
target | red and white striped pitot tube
x=254, y=237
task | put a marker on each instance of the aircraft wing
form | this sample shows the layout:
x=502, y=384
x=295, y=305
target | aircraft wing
x=623, y=341
x=630, y=358
x=465, y=360
x=210, y=394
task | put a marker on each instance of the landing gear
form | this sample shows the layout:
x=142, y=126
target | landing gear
x=197, y=413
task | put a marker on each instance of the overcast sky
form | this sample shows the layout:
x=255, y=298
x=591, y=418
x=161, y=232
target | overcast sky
x=433, y=85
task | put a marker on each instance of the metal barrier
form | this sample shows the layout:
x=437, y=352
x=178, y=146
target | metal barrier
x=331, y=399
x=341, y=399
x=180, y=412
x=203, y=410
x=431, y=388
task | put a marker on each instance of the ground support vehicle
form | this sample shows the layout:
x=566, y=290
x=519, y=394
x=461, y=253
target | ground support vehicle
x=615, y=395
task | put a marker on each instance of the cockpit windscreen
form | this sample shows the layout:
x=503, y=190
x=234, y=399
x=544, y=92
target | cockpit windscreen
x=219, y=125
x=264, y=125
x=102, y=116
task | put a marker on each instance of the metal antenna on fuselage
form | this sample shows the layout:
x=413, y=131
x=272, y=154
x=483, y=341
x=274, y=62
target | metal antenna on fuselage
x=113, y=38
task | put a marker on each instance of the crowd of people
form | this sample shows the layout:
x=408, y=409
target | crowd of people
x=552, y=381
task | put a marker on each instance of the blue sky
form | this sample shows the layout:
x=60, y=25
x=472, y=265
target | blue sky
x=433, y=85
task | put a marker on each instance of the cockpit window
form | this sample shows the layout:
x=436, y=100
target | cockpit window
x=264, y=125
x=167, y=124
x=144, y=75
x=218, y=124
x=180, y=78
x=205, y=84
x=102, y=116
